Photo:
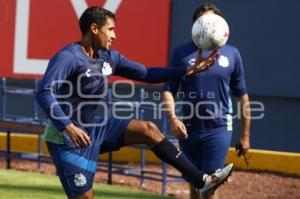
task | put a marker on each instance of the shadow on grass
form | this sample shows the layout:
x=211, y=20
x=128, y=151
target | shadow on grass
x=58, y=191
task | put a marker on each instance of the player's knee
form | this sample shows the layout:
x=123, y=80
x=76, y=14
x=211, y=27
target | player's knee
x=151, y=130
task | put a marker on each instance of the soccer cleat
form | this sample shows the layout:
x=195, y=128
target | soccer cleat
x=213, y=181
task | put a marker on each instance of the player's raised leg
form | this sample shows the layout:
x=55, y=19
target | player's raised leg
x=144, y=132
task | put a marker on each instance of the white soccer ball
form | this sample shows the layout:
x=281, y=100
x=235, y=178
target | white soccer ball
x=210, y=31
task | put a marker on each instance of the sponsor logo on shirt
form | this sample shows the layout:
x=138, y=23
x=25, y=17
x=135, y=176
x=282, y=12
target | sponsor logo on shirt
x=192, y=61
x=106, y=69
x=88, y=73
x=223, y=61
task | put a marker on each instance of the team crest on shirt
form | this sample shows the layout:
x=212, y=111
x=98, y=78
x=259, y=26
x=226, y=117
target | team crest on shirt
x=79, y=180
x=223, y=61
x=106, y=69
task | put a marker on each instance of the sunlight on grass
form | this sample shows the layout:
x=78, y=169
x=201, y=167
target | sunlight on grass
x=20, y=184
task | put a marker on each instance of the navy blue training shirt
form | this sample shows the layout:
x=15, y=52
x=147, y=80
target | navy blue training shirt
x=73, y=82
x=208, y=93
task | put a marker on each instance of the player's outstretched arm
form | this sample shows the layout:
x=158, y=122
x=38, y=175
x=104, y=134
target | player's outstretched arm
x=136, y=71
x=202, y=64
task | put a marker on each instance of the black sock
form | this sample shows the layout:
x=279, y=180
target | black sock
x=167, y=152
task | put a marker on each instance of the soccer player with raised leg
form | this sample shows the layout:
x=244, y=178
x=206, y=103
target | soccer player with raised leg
x=70, y=92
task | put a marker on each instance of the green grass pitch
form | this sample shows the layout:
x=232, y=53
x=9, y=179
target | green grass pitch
x=23, y=185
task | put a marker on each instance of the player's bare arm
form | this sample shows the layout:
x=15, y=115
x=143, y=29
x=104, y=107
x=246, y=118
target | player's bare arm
x=176, y=125
x=244, y=140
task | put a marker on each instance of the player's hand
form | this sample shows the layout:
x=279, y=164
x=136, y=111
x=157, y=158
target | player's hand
x=178, y=128
x=244, y=144
x=78, y=136
x=203, y=64
x=242, y=148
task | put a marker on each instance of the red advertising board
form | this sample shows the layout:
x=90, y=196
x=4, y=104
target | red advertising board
x=33, y=30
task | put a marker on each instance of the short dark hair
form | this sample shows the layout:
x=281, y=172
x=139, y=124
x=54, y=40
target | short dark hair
x=94, y=15
x=206, y=7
